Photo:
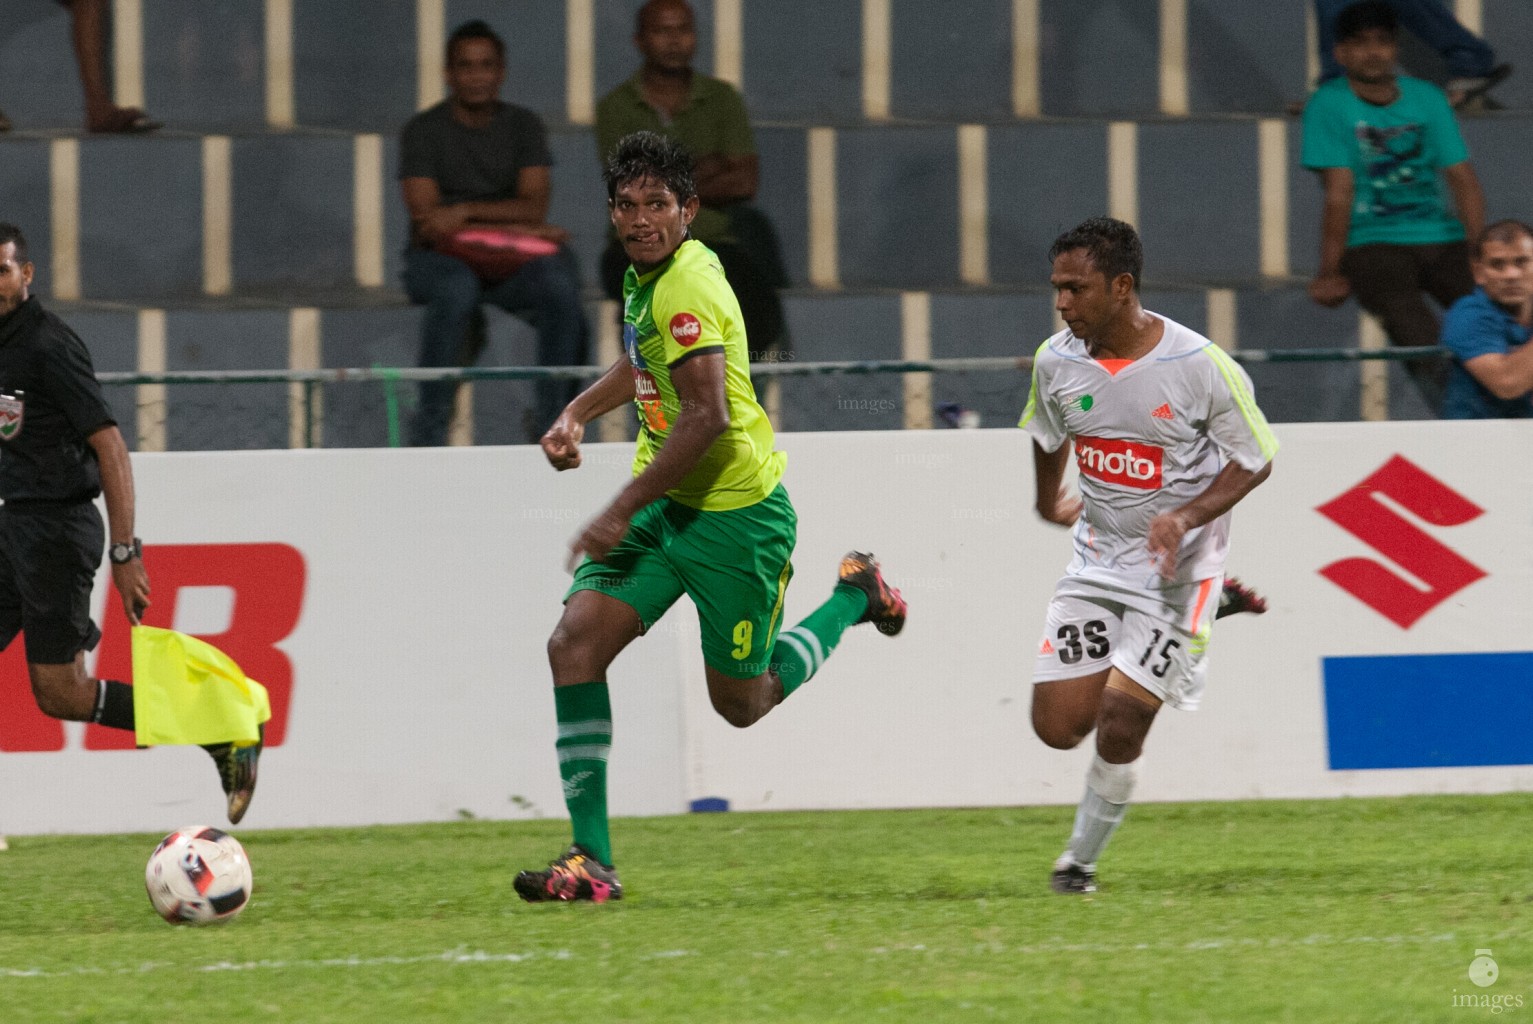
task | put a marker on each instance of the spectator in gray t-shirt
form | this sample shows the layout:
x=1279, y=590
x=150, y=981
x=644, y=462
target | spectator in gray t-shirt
x=472, y=160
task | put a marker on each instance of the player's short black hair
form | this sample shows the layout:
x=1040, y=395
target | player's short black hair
x=1113, y=246
x=1507, y=232
x=475, y=29
x=1355, y=19
x=11, y=233
x=650, y=155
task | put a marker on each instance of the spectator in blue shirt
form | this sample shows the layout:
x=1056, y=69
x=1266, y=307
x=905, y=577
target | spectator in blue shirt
x=1488, y=330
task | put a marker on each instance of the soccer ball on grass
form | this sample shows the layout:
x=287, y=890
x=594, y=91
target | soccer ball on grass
x=198, y=875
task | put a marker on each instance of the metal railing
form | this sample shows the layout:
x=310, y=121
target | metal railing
x=305, y=385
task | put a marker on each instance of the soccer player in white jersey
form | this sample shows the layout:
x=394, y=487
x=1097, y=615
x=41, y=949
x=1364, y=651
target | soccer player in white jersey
x=1167, y=438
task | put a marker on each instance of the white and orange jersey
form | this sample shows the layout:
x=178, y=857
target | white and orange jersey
x=1150, y=435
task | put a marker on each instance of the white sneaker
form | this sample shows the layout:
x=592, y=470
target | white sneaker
x=3, y=845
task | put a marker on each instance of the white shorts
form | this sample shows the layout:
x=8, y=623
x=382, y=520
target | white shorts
x=1158, y=638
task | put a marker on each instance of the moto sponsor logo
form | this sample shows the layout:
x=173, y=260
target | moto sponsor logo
x=1362, y=512
x=1114, y=461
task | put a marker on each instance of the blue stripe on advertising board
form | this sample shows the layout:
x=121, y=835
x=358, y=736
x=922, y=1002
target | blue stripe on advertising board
x=1429, y=710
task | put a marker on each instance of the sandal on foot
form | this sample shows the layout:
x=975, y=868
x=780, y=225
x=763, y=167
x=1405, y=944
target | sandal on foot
x=125, y=121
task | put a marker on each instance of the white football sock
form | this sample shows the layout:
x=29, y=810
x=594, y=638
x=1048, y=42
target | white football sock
x=1108, y=788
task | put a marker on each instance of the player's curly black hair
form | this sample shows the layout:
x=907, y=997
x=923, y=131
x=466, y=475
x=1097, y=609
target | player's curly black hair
x=11, y=233
x=650, y=155
x=1113, y=246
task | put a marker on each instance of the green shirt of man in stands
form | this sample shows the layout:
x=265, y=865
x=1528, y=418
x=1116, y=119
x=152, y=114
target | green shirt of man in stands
x=708, y=117
x=711, y=122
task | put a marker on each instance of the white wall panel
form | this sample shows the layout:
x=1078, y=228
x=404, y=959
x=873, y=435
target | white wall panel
x=433, y=577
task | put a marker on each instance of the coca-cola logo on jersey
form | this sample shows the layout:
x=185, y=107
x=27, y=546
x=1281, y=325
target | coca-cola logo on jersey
x=1127, y=463
x=685, y=329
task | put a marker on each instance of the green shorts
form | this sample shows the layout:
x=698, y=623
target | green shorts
x=734, y=565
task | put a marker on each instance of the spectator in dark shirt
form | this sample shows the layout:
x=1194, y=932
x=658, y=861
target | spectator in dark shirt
x=1488, y=330
x=474, y=160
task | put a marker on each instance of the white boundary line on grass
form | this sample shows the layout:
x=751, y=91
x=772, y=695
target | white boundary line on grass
x=479, y=956
x=450, y=956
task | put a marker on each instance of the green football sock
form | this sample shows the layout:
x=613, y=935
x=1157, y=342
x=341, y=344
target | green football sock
x=585, y=739
x=801, y=651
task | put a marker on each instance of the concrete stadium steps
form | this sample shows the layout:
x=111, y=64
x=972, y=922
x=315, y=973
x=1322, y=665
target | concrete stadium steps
x=1219, y=201
x=361, y=65
x=378, y=329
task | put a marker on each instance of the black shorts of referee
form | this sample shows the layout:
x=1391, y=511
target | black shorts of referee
x=49, y=554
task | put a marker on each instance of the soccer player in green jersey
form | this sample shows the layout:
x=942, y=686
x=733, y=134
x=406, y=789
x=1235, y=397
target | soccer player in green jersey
x=705, y=514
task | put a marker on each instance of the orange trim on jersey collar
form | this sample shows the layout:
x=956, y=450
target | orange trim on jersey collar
x=1112, y=366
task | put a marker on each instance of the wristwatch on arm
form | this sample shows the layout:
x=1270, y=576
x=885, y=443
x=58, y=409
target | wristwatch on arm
x=122, y=553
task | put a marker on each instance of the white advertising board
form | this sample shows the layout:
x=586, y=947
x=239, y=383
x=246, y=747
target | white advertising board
x=398, y=602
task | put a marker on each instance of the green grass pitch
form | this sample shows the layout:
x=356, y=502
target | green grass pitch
x=1314, y=911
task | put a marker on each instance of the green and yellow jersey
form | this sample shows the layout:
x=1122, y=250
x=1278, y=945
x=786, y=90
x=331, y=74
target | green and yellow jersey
x=681, y=309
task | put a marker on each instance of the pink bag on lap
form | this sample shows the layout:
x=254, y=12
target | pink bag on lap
x=496, y=253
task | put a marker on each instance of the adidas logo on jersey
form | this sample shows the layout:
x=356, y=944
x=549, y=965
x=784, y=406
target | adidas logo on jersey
x=1045, y=648
x=1163, y=412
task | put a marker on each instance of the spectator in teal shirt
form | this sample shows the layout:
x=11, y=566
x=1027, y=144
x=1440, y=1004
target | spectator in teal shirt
x=1384, y=145
x=1488, y=330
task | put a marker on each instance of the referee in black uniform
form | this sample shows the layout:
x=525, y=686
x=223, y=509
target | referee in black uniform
x=59, y=449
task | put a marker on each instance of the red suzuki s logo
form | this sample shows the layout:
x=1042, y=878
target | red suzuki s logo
x=1360, y=512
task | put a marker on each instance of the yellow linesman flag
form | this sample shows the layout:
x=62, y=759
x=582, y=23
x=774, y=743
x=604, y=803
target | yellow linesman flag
x=188, y=691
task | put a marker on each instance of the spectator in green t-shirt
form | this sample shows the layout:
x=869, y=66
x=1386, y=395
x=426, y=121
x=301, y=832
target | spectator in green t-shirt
x=707, y=116
x=1383, y=145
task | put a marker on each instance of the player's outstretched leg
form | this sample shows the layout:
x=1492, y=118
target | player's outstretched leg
x=237, y=772
x=1123, y=721
x=861, y=595
x=575, y=876
x=592, y=632
x=1236, y=597
x=1101, y=810
x=584, y=872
